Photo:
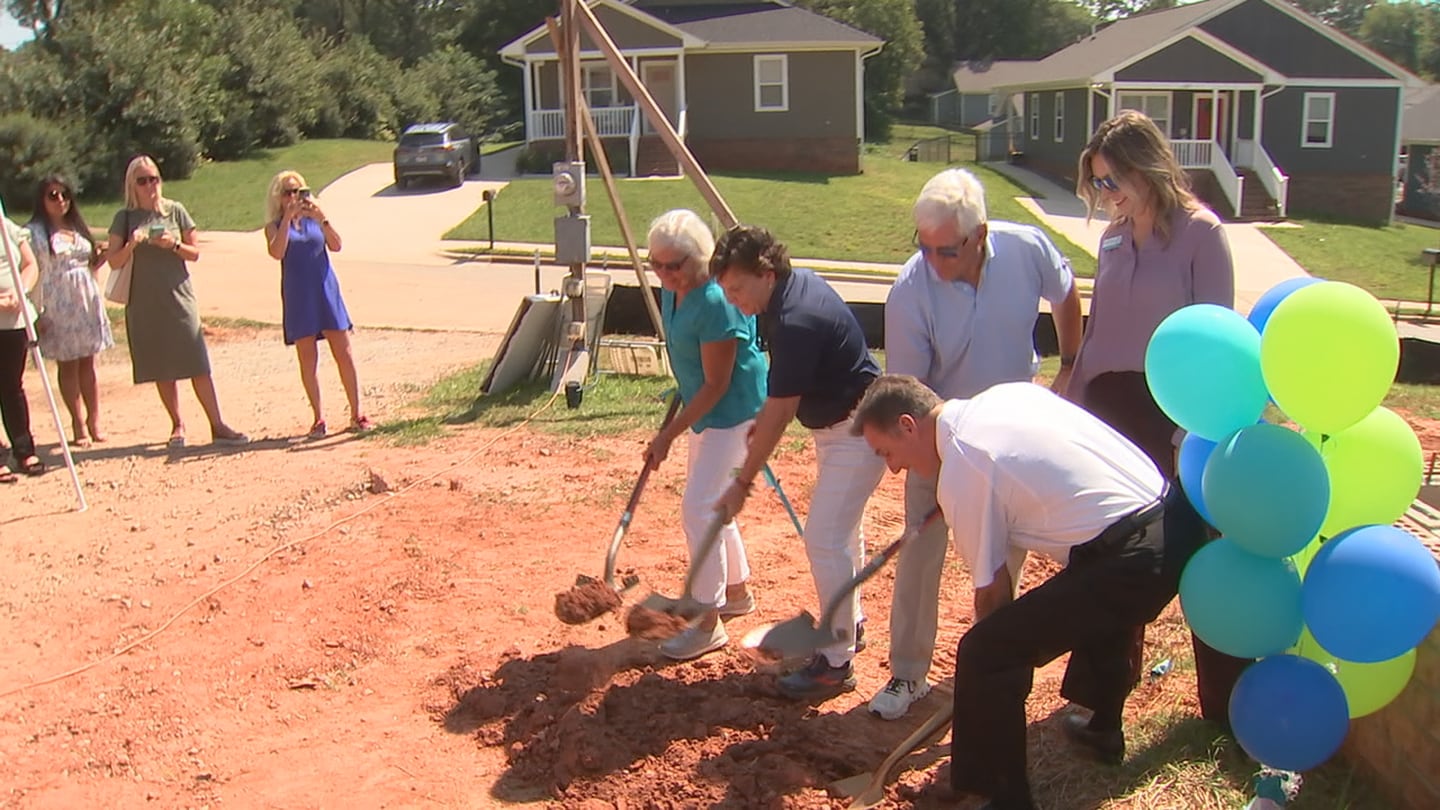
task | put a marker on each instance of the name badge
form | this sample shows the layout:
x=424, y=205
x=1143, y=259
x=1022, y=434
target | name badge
x=1112, y=242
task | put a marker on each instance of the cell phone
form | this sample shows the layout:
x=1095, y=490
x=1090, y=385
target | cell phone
x=304, y=194
x=157, y=228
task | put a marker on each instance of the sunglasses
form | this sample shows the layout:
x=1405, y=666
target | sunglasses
x=1106, y=183
x=291, y=192
x=670, y=267
x=57, y=194
x=147, y=180
x=944, y=251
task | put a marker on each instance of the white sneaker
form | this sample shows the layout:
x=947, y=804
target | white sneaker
x=694, y=642
x=892, y=702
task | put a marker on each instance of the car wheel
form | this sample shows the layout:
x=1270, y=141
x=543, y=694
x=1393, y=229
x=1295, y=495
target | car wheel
x=458, y=179
x=400, y=182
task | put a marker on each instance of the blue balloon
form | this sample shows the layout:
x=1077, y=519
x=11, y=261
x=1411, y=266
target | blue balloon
x=1194, y=452
x=1267, y=490
x=1260, y=313
x=1289, y=712
x=1203, y=368
x=1239, y=603
x=1371, y=594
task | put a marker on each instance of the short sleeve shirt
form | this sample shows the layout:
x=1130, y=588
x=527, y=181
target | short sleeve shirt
x=1022, y=468
x=18, y=235
x=704, y=316
x=817, y=350
x=959, y=339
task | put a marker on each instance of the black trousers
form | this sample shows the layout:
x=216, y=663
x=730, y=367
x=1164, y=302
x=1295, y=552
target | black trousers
x=1115, y=582
x=1122, y=400
x=13, y=406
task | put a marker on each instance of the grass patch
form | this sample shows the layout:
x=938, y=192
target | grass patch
x=863, y=217
x=230, y=196
x=1386, y=261
x=498, y=146
x=1416, y=400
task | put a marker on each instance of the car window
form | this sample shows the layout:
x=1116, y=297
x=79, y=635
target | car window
x=416, y=139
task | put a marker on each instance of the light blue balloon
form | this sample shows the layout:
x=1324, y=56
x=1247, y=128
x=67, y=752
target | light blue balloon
x=1260, y=313
x=1203, y=368
x=1371, y=594
x=1267, y=490
x=1195, y=450
x=1289, y=712
x=1240, y=603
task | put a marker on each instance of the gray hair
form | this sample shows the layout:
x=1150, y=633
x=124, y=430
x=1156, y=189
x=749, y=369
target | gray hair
x=954, y=195
x=683, y=230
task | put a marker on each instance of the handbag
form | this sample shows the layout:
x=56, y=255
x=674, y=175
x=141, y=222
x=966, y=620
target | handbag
x=117, y=285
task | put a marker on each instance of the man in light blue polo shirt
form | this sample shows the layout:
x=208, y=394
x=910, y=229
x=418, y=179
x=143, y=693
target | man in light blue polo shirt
x=960, y=318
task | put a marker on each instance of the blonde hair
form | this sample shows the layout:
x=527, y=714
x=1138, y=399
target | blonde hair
x=277, y=185
x=683, y=230
x=132, y=191
x=954, y=195
x=1137, y=150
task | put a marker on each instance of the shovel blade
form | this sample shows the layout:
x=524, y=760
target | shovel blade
x=851, y=786
x=795, y=637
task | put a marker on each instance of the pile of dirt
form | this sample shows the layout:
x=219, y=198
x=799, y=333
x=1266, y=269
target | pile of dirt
x=642, y=622
x=586, y=601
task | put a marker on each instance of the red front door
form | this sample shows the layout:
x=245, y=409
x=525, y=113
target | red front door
x=1212, y=123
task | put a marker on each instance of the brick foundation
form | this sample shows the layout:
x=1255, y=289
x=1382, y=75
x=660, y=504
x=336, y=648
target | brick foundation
x=818, y=155
x=1364, y=199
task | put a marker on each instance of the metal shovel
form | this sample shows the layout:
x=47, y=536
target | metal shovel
x=686, y=606
x=801, y=636
x=868, y=789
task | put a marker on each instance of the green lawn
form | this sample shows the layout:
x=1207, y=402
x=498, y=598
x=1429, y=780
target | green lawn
x=1386, y=261
x=230, y=196
x=864, y=217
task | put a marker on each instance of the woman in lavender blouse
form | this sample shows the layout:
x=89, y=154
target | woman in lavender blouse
x=1164, y=250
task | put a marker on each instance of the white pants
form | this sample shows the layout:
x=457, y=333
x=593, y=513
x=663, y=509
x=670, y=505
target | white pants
x=915, y=607
x=834, y=542
x=715, y=454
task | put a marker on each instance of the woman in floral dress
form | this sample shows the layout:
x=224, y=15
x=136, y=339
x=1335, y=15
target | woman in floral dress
x=73, y=326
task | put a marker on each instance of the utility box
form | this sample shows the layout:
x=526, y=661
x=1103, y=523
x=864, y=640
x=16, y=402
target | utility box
x=572, y=239
x=569, y=183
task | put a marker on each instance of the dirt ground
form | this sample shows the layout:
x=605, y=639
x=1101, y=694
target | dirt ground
x=292, y=639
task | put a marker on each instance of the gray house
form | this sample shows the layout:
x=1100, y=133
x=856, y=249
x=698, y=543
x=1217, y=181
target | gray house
x=748, y=84
x=1269, y=109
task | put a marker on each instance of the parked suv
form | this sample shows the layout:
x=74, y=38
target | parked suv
x=435, y=150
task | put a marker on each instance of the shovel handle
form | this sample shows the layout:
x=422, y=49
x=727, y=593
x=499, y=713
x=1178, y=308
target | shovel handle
x=827, y=618
x=634, y=502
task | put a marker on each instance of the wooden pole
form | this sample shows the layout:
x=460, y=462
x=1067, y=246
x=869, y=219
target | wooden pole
x=577, y=360
x=654, y=114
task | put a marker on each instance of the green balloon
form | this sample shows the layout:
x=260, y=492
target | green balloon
x=1302, y=558
x=1376, y=467
x=1329, y=354
x=1368, y=687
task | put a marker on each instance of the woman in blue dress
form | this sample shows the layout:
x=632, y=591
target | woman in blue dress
x=301, y=237
x=721, y=374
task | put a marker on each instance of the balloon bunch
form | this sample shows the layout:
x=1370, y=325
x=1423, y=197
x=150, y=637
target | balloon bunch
x=1308, y=576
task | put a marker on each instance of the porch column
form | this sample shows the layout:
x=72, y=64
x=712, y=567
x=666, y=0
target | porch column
x=684, y=102
x=1215, y=116
x=529, y=95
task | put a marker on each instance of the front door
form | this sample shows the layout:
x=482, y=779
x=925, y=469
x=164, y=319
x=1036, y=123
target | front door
x=659, y=79
x=1211, y=121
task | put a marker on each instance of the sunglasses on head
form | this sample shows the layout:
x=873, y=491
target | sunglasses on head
x=147, y=179
x=57, y=194
x=670, y=267
x=944, y=251
x=1106, y=183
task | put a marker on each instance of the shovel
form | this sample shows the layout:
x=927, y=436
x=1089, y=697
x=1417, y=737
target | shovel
x=868, y=789
x=800, y=636
x=686, y=606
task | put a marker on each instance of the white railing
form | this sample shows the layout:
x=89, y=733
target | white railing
x=1253, y=156
x=1232, y=184
x=1193, y=154
x=610, y=122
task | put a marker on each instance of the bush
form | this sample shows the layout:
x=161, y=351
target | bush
x=30, y=149
x=359, y=102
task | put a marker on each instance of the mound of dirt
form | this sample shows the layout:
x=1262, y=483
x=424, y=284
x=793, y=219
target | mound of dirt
x=642, y=622
x=582, y=603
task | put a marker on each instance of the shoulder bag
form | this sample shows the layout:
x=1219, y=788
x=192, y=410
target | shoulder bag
x=117, y=286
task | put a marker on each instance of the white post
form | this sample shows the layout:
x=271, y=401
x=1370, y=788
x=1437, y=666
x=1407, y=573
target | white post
x=529, y=97
x=12, y=252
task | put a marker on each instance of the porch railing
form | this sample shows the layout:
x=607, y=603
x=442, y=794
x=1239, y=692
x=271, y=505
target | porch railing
x=610, y=122
x=1206, y=154
x=1193, y=154
x=1253, y=156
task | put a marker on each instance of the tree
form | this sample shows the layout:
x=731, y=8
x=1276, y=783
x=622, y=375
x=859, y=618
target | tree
x=1343, y=15
x=1395, y=30
x=893, y=21
x=1105, y=10
x=1018, y=29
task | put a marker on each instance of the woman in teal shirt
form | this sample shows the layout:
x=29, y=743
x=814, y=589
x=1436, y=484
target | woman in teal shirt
x=721, y=374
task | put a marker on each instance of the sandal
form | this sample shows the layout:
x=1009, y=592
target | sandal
x=8, y=477
x=362, y=425
x=317, y=430
x=176, y=442
x=231, y=439
x=32, y=466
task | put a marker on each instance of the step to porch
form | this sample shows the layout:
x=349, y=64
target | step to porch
x=1256, y=204
x=653, y=158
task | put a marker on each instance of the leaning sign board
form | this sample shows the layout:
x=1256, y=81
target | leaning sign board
x=530, y=331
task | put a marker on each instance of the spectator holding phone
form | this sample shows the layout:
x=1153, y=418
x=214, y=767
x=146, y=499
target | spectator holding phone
x=73, y=326
x=299, y=235
x=162, y=321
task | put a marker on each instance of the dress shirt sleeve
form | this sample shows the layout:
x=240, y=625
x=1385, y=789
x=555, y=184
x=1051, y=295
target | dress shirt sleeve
x=1212, y=270
x=1056, y=277
x=978, y=526
x=908, y=349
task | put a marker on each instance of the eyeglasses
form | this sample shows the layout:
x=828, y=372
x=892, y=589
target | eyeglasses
x=57, y=194
x=943, y=251
x=670, y=267
x=1106, y=183
x=147, y=180
x=291, y=192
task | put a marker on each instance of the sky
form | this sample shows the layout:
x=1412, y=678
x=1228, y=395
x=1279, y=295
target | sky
x=12, y=33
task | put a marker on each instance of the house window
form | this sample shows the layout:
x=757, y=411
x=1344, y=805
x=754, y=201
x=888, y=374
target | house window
x=1059, y=117
x=1034, y=116
x=993, y=106
x=1154, y=105
x=1319, y=129
x=597, y=82
x=772, y=83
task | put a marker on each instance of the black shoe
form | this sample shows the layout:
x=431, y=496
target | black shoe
x=818, y=680
x=1107, y=746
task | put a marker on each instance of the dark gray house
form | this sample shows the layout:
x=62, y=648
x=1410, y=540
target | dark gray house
x=748, y=84
x=1271, y=110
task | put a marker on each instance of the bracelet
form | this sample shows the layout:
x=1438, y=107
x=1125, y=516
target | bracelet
x=176, y=247
x=324, y=223
x=1067, y=361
